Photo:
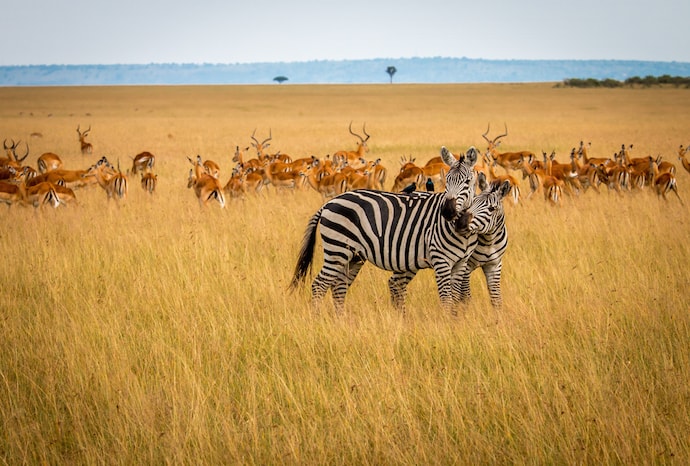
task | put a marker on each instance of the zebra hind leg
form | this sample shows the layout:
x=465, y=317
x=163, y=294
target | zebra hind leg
x=397, y=285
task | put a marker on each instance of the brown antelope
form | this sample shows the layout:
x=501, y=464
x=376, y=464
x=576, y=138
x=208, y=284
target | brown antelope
x=553, y=189
x=514, y=183
x=113, y=182
x=149, y=182
x=143, y=162
x=586, y=174
x=508, y=160
x=10, y=173
x=48, y=161
x=206, y=187
x=11, y=193
x=683, y=159
x=563, y=171
x=12, y=158
x=86, y=147
x=327, y=185
x=235, y=187
x=582, y=153
x=663, y=182
x=283, y=180
x=42, y=194
x=254, y=163
x=534, y=175
x=355, y=159
x=409, y=173
x=70, y=178
x=261, y=146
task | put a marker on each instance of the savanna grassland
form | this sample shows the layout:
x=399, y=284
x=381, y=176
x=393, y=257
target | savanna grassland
x=159, y=332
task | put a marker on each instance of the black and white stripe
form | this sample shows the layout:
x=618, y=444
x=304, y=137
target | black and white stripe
x=403, y=233
x=488, y=221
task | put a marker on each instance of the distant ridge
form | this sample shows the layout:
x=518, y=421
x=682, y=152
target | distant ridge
x=409, y=70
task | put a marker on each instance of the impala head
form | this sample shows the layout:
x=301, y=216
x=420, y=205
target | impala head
x=12, y=151
x=263, y=145
x=493, y=143
x=460, y=179
x=485, y=214
x=362, y=141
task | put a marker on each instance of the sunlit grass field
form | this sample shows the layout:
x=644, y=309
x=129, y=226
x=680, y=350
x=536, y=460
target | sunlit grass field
x=159, y=332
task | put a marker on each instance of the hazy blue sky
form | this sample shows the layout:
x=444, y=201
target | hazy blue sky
x=227, y=31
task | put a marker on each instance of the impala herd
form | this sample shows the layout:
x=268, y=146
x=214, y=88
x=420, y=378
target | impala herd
x=50, y=184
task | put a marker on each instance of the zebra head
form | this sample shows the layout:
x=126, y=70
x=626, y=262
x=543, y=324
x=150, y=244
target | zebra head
x=460, y=178
x=485, y=214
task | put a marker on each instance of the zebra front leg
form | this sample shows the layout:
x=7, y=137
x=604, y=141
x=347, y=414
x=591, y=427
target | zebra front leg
x=460, y=283
x=397, y=285
x=492, y=272
x=444, y=283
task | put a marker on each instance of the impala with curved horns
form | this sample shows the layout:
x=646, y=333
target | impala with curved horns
x=261, y=146
x=12, y=158
x=355, y=159
x=86, y=147
x=508, y=160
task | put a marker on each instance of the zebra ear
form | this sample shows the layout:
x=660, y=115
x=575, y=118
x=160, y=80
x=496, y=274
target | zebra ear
x=481, y=181
x=504, y=189
x=447, y=157
x=471, y=156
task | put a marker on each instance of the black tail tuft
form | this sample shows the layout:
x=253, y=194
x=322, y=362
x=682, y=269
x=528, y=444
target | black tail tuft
x=306, y=253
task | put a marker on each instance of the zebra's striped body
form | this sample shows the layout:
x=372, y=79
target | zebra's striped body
x=403, y=233
x=492, y=241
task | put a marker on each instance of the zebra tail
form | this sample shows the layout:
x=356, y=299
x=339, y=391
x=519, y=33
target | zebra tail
x=306, y=253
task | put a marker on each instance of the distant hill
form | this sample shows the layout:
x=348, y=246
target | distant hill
x=409, y=70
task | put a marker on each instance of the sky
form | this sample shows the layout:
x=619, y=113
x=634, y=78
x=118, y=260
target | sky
x=74, y=32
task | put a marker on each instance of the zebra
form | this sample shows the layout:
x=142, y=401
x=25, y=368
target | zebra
x=492, y=241
x=402, y=233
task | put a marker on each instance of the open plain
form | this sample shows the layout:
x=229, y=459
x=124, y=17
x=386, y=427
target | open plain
x=157, y=331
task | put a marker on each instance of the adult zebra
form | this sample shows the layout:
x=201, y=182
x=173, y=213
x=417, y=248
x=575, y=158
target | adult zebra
x=492, y=241
x=403, y=233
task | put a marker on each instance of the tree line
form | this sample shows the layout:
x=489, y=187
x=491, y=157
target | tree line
x=635, y=81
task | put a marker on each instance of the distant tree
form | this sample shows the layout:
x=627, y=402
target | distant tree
x=391, y=70
x=280, y=79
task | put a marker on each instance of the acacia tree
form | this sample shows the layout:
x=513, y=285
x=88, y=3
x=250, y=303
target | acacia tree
x=391, y=70
x=280, y=79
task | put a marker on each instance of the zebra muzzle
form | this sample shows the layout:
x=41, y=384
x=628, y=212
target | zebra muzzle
x=462, y=222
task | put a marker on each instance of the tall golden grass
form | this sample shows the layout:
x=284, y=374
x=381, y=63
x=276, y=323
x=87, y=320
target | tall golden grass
x=158, y=332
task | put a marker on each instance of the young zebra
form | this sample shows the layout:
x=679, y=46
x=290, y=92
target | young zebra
x=487, y=211
x=403, y=233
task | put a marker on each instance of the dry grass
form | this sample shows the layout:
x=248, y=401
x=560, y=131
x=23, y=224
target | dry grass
x=160, y=333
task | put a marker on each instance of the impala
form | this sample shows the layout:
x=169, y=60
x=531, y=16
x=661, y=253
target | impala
x=327, y=185
x=71, y=178
x=534, y=175
x=205, y=186
x=113, y=182
x=508, y=160
x=683, y=159
x=500, y=179
x=12, y=158
x=354, y=158
x=249, y=164
x=86, y=147
x=149, y=182
x=42, y=194
x=663, y=182
x=409, y=174
x=582, y=153
x=261, y=146
x=11, y=193
x=143, y=162
x=553, y=189
x=48, y=161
